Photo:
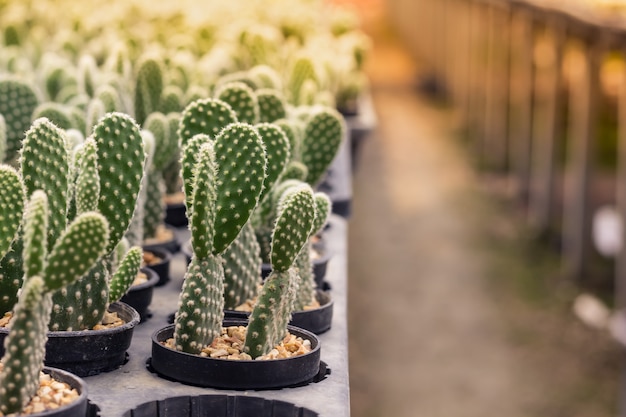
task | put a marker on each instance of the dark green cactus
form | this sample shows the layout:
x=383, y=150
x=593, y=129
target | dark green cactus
x=78, y=247
x=171, y=171
x=277, y=151
x=17, y=103
x=148, y=89
x=221, y=193
x=272, y=106
x=173, y=100
x=125, y=273
x=109, y=97
x=241, y=99
x=275, y=303
x=324, y=131
x=294, y=129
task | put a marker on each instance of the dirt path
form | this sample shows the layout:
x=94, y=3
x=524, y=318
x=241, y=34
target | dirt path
x=446, y=315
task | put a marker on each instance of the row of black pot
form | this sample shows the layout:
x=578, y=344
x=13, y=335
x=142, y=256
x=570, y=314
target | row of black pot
x=88, y=353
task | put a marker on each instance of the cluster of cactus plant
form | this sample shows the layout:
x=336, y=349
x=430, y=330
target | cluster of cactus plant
x=223, y=173
x=103, y=174
x=46, y=271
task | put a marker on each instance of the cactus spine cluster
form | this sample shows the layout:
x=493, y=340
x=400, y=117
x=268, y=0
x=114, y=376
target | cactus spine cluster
x=76, y=249
x=223, y=178
x=275, y=303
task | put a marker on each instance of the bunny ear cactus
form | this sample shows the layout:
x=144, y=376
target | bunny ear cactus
x=304, y=263
x=242, y=260
x=323, y=134
x=241, y=99
x=3, y=137
x=272, y=106
x=275, y=303
x=148, y=89
x=17, y=103
x=120, y=160
x=205, y=116
x=78, y=247
x=303, y=70
x=45, y=165
x=11, y=208
x=227, y=180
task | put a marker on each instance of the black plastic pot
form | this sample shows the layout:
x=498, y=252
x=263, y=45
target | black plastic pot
x=172, y=245
x=219, y=406
x=176, y=215
x=78, y=407
x=139, y=296
x=89, y=352
x=235, y=374
x=161, y=268
x=318, y=320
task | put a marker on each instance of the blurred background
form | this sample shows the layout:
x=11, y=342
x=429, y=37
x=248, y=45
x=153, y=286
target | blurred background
x=486, y=258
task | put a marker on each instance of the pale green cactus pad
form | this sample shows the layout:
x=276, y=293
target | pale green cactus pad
x=272, y=106
x=322, y=138
x=241, y=99
x=207, y=116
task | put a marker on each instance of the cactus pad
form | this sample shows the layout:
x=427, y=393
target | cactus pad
x=17, y=103
x=11, y=206
x=208, y=116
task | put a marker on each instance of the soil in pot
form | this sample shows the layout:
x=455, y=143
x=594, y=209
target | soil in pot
x=91, y=352
x=60, y=394
x=158, y=260
x=164, y=239
x=240, y=374
x=139, y=295
x=316, y=318
x=219, y=405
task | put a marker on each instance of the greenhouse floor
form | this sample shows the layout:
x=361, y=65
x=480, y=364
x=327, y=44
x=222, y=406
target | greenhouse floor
x=453, y=310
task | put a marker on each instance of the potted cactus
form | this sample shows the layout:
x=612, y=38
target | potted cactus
x=45, y=272
x=191, y=342
x=103, y=173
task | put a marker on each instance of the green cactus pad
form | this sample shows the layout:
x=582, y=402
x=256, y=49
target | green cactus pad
x=272, y=106
x=24, y=348
x=148, y=89
x=3, y=138
x=121, y=160
x=265, y=76
x=77, y=250
x=11, y=206
x=125, y=274
x=54, y=112
x=241, y=167
x=172, y=99
x=302, y=70
x=277, y=154
x=45, y=165
x=81, y=304
x=165, y=144
x=241, y=99
x=296, y=213
x=271, y=313
x=35, y=234
x=110, y=98
x=201, y=305
x=306, y=284
x=295, y=170
x=204, y=195
x=17, y=103
x=323, y=208
x=11, y=275
x=294, y=130
x=208, y=116
x=242, y=268
x=323, y=135
x=87, y=189
x=154, y=206
x=188, y=164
